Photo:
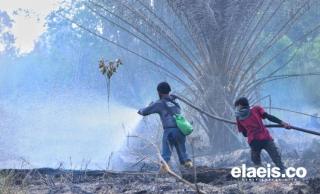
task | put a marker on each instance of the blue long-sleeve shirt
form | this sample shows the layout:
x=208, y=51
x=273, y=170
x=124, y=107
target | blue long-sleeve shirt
x=161, y=107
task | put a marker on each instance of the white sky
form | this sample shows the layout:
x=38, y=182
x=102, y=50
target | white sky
x=27, y=29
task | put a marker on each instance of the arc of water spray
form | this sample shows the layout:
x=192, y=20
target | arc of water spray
x=234, y=123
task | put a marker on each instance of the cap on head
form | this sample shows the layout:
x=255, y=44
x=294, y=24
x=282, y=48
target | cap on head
x=164, y=88
x=243, y=101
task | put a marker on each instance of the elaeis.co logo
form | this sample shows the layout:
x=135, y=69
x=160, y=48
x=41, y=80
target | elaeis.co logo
x=268, y=172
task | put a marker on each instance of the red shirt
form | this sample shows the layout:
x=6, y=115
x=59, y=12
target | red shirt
x=254, y=125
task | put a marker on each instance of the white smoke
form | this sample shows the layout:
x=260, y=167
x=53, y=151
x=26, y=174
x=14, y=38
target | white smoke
x=53, y=130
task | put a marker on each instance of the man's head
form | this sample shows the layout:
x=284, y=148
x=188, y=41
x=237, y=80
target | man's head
x=163, y=88
x=241, y=103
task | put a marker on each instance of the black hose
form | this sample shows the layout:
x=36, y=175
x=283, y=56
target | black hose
x=204, y=112
x=295, y=128
x=234, y=123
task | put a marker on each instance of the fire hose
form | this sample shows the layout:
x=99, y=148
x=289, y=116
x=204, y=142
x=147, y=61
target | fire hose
x=234, y=123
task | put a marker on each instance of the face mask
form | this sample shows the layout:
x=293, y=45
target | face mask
x=242, y=112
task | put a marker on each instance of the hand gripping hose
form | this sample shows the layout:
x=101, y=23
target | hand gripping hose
x=234, y=123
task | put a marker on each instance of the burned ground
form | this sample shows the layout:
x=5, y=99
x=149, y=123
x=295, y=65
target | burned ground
x=209, y=180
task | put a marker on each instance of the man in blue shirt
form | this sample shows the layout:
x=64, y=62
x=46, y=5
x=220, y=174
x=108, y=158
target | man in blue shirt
x=166, y=106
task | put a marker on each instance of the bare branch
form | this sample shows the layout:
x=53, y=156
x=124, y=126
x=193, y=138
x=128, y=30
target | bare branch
x=281, y=77
x=292, y=111
x=165, y=166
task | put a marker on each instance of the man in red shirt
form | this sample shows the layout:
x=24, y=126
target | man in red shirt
x=249, y=121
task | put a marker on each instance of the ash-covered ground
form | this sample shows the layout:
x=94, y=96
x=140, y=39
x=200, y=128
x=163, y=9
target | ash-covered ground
x=144, y=177
x=85, y=182
x=140, y=174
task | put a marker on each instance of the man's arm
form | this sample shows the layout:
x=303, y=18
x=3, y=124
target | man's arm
x=244, y=133
x=275, y=120
x=271, y=118
x=152, y=108
x=242, y=129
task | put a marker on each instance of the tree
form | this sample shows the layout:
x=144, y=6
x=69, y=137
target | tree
x=216, y=50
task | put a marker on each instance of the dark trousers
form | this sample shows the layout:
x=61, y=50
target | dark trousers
x=268, y=145
x=172, y=137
